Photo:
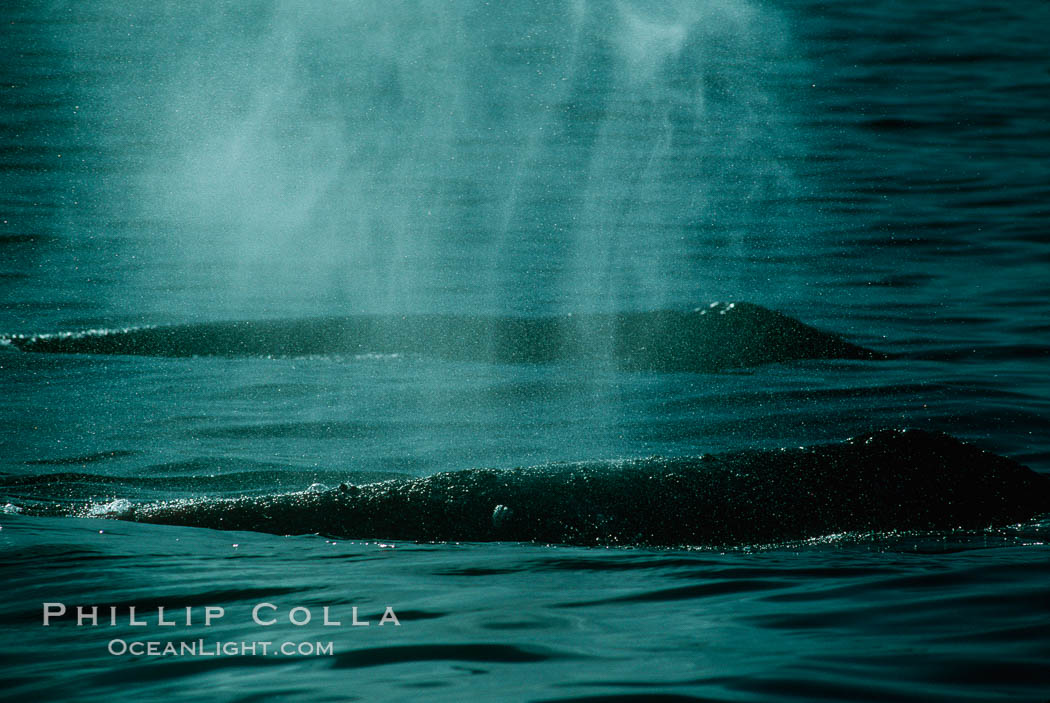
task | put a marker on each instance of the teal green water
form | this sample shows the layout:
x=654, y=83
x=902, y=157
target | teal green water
x=879, y=172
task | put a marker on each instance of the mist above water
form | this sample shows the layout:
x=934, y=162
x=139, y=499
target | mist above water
x=524, y=158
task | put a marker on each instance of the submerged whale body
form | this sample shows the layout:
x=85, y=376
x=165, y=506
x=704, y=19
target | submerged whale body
x=723, y=335
x=890, y=480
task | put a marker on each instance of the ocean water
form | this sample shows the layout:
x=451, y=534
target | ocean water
x=877, y=171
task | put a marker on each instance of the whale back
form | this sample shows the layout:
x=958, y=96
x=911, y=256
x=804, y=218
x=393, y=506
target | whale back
x=706, y=339
x=885, y=481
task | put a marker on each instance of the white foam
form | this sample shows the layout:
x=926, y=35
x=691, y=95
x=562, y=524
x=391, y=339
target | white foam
x=119, y=506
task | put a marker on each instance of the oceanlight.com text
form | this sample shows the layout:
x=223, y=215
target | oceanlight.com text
x=202, y=648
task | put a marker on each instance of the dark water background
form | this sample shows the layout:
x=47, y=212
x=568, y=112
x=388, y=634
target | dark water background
x=879, y=170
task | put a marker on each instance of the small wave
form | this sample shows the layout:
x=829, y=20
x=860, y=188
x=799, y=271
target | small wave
x=82, y=460
x=880, y=482
x=720, y=336
x=194, y=477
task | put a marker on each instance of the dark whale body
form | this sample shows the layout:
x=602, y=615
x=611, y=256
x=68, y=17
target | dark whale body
x=721, y=336
x=890, y=480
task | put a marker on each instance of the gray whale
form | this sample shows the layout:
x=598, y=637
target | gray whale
x=888, y=480
x=719, y=336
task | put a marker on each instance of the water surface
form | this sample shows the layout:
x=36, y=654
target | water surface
x=879, y=172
